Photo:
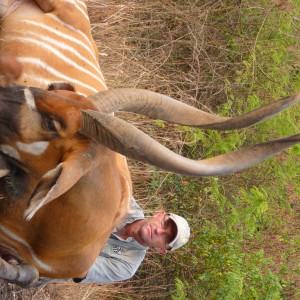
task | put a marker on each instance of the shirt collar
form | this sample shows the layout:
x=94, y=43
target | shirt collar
x=129, y=239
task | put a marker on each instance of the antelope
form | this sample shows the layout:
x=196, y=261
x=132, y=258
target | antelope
x=64, y=179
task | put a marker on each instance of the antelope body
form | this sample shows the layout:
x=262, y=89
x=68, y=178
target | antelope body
x=53, y=42
x=64, y=180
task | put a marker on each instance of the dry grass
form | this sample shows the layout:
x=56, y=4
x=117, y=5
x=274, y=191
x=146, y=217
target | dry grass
x=172, y=47
x=67, y=291
x=165, y=47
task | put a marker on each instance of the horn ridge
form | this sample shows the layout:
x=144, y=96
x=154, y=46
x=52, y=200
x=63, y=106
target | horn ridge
x=158, y=106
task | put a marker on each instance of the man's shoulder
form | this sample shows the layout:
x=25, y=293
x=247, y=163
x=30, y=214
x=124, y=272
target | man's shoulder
x=134, y=213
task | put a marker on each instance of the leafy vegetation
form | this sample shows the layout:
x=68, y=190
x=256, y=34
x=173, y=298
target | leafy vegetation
x=245, y=241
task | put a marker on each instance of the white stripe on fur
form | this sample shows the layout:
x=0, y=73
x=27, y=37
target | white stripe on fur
x=62, y=35
x=61, y=56
x=29, y=99
x=18, y=239
x=57, y=19
x=36, y=148
x=38, y=63
x=79, y=8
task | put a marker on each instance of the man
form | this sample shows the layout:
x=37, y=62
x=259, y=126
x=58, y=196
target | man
x=127, y=246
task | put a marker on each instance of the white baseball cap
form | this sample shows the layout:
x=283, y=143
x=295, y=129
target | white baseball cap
x=183, y=231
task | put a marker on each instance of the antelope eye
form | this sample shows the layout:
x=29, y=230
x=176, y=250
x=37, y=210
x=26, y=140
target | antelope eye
x=50, y=124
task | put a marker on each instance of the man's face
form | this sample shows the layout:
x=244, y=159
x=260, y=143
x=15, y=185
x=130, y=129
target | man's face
x=155, y=232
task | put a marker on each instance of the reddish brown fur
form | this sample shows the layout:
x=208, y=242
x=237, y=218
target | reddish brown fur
x=68, y=233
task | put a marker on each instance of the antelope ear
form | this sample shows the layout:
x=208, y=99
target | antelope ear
x=60, y=179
